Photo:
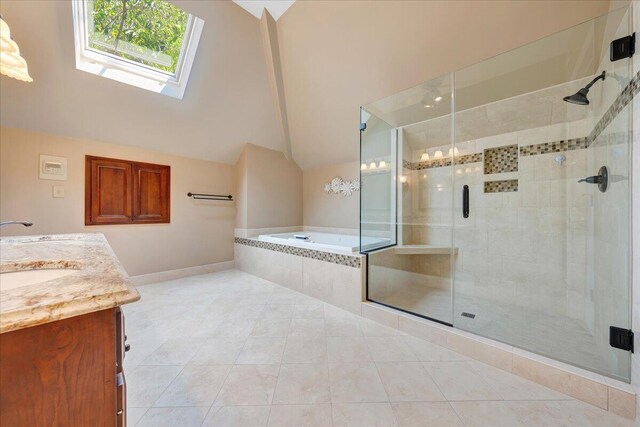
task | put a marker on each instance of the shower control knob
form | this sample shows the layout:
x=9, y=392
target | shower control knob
x=602, y=179
x=592, y=179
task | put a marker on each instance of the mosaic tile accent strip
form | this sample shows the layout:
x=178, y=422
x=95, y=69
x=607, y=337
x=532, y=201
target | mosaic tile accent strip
x=625, y=97
x=506, y=186
x=501, y=159
x=406, y=164
x=554, y=147
x=618, y=105
x=438, y=163
x=349, y=261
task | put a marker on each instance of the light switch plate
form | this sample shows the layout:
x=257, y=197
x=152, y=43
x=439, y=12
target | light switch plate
x=58, y=191
x=53, y=167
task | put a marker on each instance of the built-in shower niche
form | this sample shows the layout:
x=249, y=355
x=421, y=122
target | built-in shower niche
x=501, y=159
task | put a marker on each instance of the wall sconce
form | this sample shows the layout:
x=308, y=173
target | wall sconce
x=454, y=151
x=424, y=157
x=382, y=164
x=372, y=165
x=363, y=167
x=438, y=155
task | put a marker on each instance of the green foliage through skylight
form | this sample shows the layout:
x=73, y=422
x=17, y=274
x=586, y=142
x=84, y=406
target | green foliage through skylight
x=149, y=32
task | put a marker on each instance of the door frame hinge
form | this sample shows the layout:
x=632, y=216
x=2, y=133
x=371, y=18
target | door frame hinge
x=621, y=338
x=622, y=48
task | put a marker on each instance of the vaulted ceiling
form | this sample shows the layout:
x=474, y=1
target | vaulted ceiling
x=227, y=103
x=334, y=57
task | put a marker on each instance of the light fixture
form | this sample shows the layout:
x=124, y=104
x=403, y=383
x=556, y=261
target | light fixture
x=382, y=164
x=437, y=155
x=363, y=167
x=372, y=165
x=438, y=99
x=424, y=157
x=454, y=151
x=11, y=63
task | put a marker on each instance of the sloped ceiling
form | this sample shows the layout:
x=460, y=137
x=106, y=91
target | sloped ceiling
x=228, y=101
x=275, y=7
x=337, y=56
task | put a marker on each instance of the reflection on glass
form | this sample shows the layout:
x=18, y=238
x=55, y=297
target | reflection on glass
x=542, y=259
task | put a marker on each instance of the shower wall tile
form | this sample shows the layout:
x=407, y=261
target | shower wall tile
x=495, y=141
x=630, y=90
x=501, y=159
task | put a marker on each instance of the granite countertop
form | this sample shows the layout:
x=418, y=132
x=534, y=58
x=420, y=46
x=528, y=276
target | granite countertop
x=98, y=282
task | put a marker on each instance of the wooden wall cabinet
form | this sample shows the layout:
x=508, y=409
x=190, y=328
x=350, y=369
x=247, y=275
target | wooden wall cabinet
x=126, y=192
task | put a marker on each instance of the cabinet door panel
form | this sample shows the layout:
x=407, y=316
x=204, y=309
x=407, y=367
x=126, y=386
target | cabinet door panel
x=61, y=373
x=109, y=191
x=151, y=193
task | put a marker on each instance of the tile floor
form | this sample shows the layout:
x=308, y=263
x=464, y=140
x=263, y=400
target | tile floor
x=556, y=336
x=231, y=349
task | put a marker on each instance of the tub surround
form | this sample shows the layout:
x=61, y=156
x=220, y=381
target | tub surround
x=98, y=283
x=321, y=255
x=334, y=278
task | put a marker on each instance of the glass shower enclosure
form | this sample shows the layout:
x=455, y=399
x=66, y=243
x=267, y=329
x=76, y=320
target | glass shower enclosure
x=496, y=201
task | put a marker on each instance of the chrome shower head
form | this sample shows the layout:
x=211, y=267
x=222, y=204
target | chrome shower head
x=580, y=97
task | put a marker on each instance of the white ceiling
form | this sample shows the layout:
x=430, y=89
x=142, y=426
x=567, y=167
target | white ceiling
x=275, y=7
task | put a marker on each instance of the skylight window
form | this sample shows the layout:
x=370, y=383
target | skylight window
x=150, y=44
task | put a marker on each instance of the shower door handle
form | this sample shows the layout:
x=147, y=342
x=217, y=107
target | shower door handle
x=465, y=201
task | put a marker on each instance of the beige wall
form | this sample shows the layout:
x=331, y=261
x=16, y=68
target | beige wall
x=241, y=192
x=200, y=232
x=270, y=188
x=330, y=210
x=337, y=56
x=228, y=100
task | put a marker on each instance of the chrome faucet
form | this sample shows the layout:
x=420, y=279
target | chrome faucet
x=25, y=223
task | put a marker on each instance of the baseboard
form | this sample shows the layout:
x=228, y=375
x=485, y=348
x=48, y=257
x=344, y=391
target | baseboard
x=606, y=393
x=163, y=276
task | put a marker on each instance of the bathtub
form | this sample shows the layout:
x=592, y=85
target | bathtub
x=324, y=241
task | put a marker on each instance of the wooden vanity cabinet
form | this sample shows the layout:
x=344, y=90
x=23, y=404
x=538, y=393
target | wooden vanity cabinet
x=64, y=373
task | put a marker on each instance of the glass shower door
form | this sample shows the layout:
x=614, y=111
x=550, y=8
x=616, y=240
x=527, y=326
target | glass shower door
x=544, y=256
x=412, y=129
